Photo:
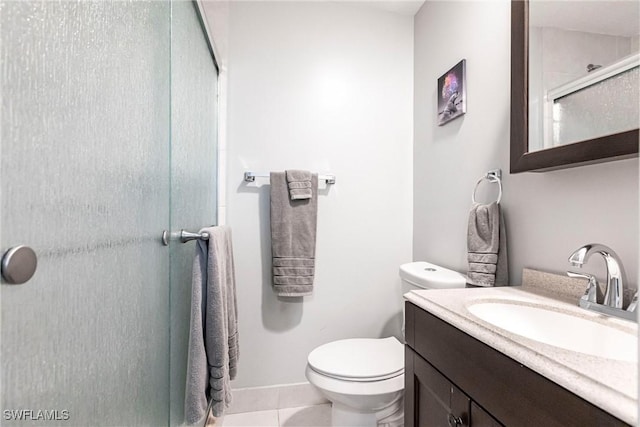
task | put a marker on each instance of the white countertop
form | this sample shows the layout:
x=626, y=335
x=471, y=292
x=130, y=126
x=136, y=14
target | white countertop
x=608, y=384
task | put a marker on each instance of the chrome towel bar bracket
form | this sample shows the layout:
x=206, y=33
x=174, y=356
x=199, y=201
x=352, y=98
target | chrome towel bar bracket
x=251, y=177
x=183, y=236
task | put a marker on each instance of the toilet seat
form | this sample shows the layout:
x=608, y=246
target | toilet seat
x=359, y=360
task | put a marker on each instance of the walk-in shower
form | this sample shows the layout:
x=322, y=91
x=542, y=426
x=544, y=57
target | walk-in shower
x=107, y=137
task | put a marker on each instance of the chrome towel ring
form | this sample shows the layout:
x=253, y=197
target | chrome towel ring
x=494, y=175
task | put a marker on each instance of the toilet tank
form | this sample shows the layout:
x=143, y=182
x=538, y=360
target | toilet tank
x=424, y=275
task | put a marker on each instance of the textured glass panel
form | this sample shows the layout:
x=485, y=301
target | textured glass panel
x=84, y=177
x=193, y=173
x=605, y=108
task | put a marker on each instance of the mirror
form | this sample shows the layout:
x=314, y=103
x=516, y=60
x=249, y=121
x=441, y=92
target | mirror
x=574, y=83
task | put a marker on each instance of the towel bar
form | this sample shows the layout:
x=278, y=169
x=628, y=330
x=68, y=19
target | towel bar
x=251, y=177
x=183, y=236
x=494, y=175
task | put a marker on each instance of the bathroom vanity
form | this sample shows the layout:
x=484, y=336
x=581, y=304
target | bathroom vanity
x=463, y=371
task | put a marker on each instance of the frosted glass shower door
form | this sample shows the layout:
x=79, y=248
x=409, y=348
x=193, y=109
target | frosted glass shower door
x=194, y=126
x=85, y=181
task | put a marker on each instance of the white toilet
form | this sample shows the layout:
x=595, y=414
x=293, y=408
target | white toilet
x=364, y=377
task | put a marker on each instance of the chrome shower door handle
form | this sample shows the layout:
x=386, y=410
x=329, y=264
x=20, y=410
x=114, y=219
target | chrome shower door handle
x=19, y=265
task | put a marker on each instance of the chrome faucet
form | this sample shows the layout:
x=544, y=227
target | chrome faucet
x=613, y=295
x=615, y=281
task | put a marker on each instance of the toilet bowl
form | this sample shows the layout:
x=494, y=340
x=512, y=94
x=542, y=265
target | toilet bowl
x=364, y=377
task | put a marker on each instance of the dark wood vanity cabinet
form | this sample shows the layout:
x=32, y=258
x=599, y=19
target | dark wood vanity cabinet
x=439, y=403
x=454, y=380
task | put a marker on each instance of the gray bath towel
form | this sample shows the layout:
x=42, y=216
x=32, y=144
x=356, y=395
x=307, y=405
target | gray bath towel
x=293, y=238
x=487, y=246
x=299, y=184
x=213, y=338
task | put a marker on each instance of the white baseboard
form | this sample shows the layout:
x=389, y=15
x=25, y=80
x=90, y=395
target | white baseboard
x=253, y=399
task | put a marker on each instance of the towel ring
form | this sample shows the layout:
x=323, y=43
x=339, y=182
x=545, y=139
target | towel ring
x=491, y=176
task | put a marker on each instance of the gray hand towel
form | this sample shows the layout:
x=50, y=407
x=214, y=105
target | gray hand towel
x=487, y=246
x=293, y=238
x=299, y=184
x=213, y=338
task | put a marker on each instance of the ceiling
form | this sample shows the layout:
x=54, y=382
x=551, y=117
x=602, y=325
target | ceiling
x=403, y=7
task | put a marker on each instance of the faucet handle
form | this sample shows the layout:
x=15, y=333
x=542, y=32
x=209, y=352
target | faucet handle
x=575, y=275
x=592, y=288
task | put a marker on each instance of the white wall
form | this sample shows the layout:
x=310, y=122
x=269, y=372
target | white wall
x=564, y=55
x=549, y=214
x=326, y=87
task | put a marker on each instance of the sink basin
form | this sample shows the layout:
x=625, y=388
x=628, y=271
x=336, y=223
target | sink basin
x=558, y=329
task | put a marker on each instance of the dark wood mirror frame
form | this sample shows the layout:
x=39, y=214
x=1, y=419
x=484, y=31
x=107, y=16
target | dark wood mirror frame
x=612, y=147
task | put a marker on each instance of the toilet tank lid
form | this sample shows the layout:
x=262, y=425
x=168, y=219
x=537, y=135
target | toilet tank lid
x=430, y=276
x=359, y=359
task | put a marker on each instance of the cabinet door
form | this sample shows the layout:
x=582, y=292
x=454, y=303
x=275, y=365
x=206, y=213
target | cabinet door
x=435, y=401
x=481, y=418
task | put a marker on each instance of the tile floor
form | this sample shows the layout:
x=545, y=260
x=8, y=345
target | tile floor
x=307, y=416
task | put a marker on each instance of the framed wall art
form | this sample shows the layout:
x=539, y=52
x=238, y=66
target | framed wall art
x=452, y=94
